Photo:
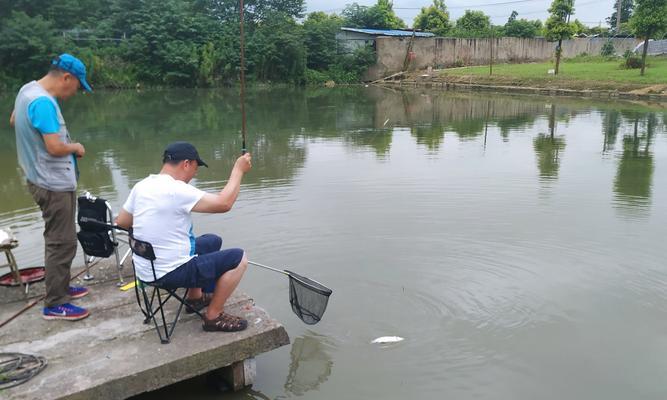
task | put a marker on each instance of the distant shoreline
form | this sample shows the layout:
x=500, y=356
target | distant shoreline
x=459, y=83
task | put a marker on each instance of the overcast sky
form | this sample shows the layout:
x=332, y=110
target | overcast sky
x=590, y=12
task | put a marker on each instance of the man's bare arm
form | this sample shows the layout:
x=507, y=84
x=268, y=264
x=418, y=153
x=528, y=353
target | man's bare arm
x=223, y=201
x=12, y=119
x=57, y=148
x=124, y=219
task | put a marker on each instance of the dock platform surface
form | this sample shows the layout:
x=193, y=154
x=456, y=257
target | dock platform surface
x=112, y=354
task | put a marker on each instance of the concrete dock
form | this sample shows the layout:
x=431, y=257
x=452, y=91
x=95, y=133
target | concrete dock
x=113, y=355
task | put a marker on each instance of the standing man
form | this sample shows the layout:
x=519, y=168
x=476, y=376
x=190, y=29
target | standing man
x=49, y=161
x=159, y=209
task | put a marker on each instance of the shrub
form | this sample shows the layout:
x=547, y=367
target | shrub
x=314, y=77
x=632, y=62
x=608, y=49
x=458, y=63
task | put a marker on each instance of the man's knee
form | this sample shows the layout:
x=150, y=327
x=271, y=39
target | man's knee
x=213, y=241
x=242, y=265
x=61, y=249
x=244, y=262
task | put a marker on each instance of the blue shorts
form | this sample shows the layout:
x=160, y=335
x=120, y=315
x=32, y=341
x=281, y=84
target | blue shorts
x=203, y=270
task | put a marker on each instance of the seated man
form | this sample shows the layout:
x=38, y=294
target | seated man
x=158, y=210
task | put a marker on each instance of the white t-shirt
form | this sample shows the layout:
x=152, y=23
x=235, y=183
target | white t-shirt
x=160, y=206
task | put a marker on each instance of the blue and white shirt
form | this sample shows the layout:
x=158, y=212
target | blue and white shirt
x=36, y=113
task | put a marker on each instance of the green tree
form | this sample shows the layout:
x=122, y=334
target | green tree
x=513, y=16
x=255, y=11
x=320, y=37
x=27, y=45
x=434, y=18
x=179, y=43
x=355, y=16
x=383, y=16
x=276, y=51
x=626, y=12
x=165, y=40
x=649, y=21
x=473, y=24
x=558, y=26
x=521, y=27
x=578, y=28
x=379, y=16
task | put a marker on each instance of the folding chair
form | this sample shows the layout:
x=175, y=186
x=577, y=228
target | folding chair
x=98, y=241
x=149, y=309
x=164, y=331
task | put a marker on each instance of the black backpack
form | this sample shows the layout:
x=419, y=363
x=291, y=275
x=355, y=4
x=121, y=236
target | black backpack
x=94, y=239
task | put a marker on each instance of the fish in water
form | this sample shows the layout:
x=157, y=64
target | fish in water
x=387, y=339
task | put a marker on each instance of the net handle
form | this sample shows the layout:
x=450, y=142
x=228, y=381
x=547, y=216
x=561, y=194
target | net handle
x=269, y=268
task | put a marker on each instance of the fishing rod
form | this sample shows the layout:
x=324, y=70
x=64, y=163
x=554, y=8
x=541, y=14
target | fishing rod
x=242, y=95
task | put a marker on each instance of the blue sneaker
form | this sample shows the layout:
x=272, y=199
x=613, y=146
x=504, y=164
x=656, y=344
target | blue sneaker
x=76, y=292
x=65, y=311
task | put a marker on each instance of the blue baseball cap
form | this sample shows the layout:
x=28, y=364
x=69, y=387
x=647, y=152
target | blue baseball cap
x=74, y=66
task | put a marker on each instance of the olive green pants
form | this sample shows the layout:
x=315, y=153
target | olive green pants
x=58, y=212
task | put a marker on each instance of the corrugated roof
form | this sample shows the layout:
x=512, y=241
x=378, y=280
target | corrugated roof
x=388, y=32
x=655, y=47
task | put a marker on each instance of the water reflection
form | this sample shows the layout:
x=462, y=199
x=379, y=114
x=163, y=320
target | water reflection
x=310, y=364
x=549, y=148
x=124, y=134
x=611, y=122
x=634, y=177
x=129, y=130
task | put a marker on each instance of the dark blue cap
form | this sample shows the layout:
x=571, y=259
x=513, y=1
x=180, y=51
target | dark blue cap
x=179, y=151
x=74, y=66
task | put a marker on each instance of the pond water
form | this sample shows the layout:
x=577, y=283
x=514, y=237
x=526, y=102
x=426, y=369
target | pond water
x=514, y=242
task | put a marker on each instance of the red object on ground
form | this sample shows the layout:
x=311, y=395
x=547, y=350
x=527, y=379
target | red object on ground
x=28, y=275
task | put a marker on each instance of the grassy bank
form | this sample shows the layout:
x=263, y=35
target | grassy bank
x=579, y=73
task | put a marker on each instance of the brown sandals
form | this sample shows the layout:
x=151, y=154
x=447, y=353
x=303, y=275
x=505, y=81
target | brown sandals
x=198, y=304
x=225, y=323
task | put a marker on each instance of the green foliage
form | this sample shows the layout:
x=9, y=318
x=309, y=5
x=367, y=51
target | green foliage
x=648, y=21
x=255, y=11
x=473, y=24
x=632, y=62
x=320, y=38
x=578, y=28
x=379, y=16
x=608, y=49
x=434, y=18
x=348, y=69
x=521, y=27
x=626, y=12
x=276, y=51
x=176, y=42
x=27, y=44
x=557, y=26
x=598, y=31
x=314, y=77
x=650, y=18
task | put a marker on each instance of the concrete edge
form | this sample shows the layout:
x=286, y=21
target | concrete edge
x=179, y=370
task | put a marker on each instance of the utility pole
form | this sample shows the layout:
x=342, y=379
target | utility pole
x=618, y=17
x=491, y=53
